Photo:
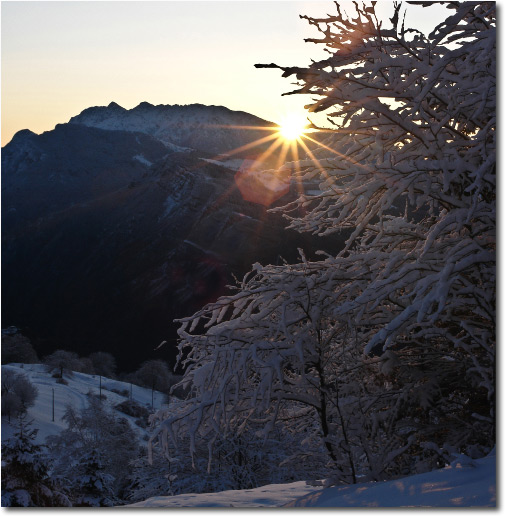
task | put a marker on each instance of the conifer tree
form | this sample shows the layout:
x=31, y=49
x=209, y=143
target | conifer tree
x=26, y=481
x=93, y=454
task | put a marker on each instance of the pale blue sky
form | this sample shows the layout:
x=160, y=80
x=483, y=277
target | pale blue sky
x=61, y=57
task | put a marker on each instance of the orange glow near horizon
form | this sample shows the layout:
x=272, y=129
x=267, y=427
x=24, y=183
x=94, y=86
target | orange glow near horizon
x=88, y=54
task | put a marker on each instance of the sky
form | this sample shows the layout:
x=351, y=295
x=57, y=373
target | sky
x=59, y=58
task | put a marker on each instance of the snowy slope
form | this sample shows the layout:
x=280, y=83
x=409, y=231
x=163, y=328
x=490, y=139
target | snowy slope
x=75, y=393
x=465, y=483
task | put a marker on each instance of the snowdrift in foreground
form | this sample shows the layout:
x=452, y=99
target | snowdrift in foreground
x=465, y=483
x=273, y=495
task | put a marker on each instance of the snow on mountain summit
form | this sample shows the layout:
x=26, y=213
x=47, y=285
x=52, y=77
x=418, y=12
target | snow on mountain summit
x=214, y=129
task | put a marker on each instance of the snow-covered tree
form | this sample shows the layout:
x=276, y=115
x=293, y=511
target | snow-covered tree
x=103, y=364
x=18, y=393
x=382, y=357
x=17, y=348
x=155, y=479
x=155, y=375
x=26, y=481
x=62, y=362
x=93, y=454
x=26, y=392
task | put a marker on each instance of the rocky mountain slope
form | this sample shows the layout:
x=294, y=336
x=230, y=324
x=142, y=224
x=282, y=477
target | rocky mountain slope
x=110, y=234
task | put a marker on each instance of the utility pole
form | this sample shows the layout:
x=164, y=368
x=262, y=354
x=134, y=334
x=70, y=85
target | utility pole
x=100, y=387
x=53, y=404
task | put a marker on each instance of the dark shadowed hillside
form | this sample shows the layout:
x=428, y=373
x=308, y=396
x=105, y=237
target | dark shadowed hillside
x=108, y=235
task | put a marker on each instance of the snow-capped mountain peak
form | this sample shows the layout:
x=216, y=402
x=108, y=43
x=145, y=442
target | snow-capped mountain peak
x=213, y=129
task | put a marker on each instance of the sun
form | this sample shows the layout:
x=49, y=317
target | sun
x=293, y=126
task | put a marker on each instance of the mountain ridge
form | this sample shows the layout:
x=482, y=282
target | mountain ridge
x=208, y=128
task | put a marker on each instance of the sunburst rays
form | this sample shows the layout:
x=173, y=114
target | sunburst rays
x=271, y=152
